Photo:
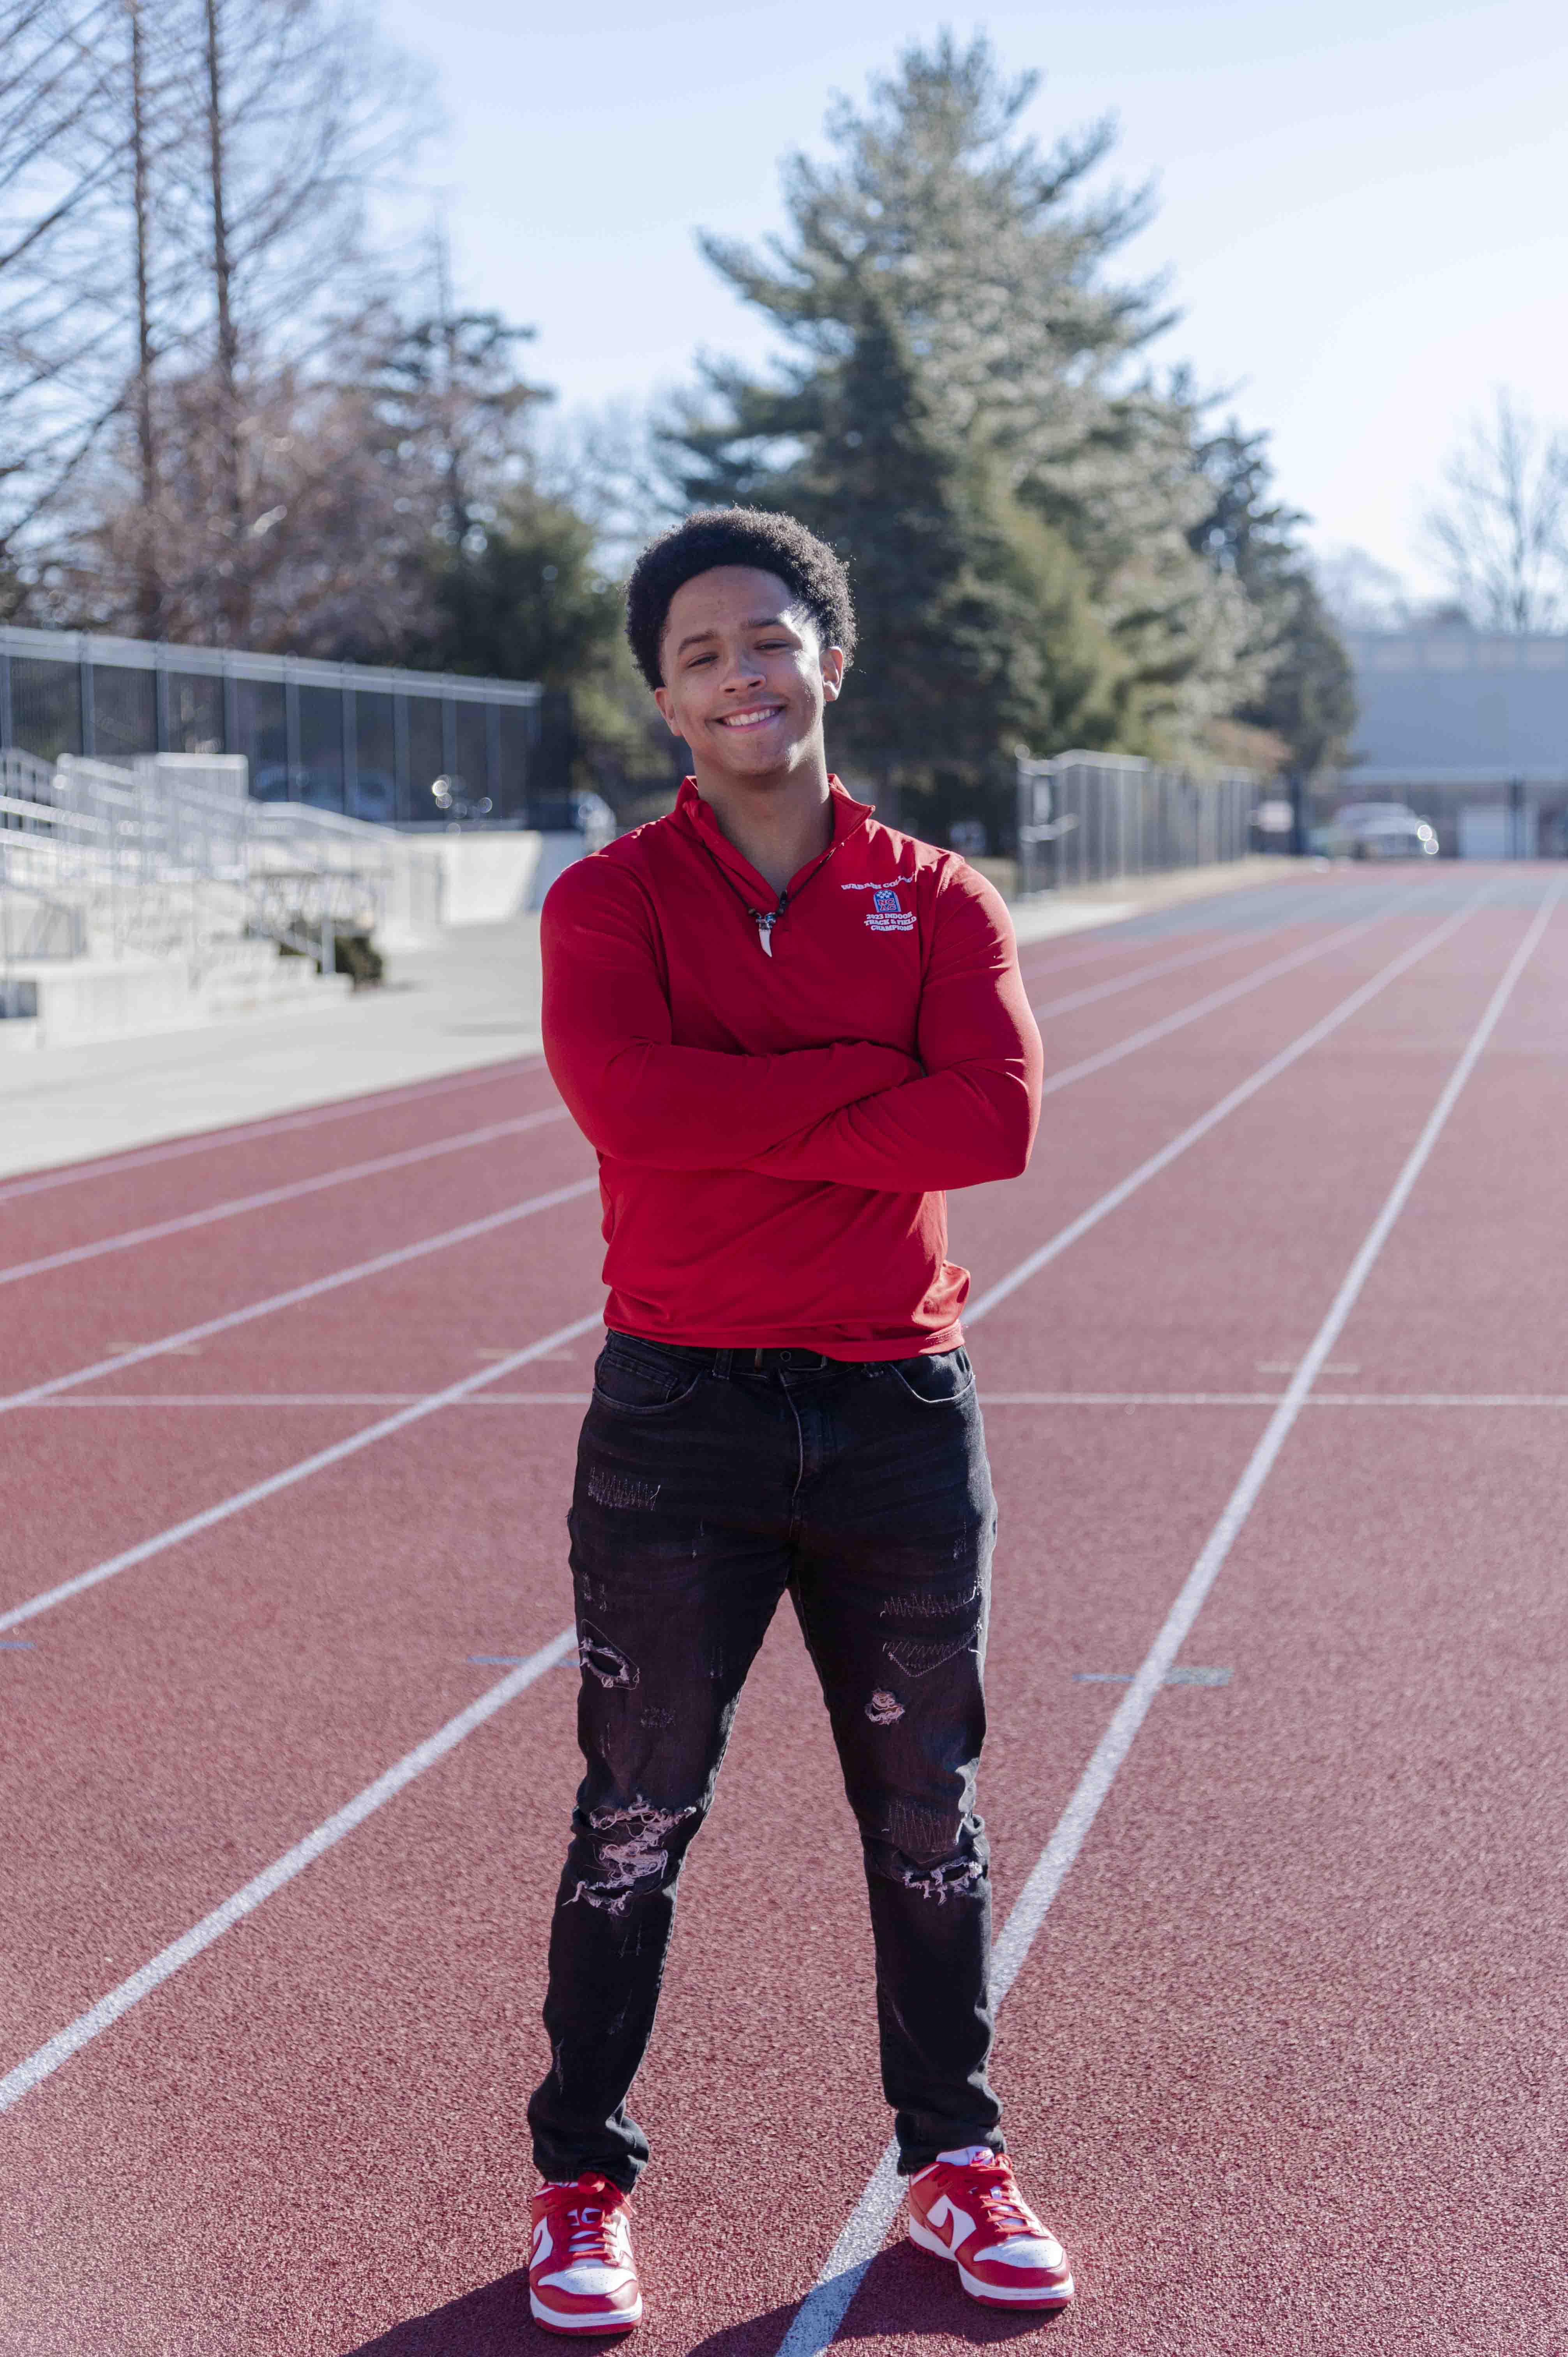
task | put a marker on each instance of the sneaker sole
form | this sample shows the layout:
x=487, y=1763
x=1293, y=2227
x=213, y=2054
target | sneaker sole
x=1058, y=2296
x=553, y=2321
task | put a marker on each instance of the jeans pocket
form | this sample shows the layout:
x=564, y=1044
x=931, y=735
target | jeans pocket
x=635, y=1380
x=943, y=1380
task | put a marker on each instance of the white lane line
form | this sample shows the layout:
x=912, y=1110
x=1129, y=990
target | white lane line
x=1128, y=1399
x=1093, y=992
x=1118, y=1195
x=817, y=2323
x=1272, y=1399
x=47, y=2059
x=276, y=1482
x=1111, y=938
x=987, y=1399
x=343, y=1176
x=398, y=1258
x=1438, y=1399
x=305, y=1399
x=212, y=1141
x=1224, y=996
x=1241, y=938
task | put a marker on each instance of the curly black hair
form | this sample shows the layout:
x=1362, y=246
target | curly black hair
x=773, y=543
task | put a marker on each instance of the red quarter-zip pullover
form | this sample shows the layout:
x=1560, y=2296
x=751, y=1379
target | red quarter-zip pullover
x=781, y=1090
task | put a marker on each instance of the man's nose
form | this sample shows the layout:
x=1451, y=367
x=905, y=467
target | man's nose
x=741, y=669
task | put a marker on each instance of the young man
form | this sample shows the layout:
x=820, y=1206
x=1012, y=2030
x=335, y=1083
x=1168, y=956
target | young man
x=786, y=1030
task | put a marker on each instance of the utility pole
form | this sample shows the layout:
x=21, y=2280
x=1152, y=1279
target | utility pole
x=149, y=585
x=1297, y=785
x=1035, y=823
x=232, y=594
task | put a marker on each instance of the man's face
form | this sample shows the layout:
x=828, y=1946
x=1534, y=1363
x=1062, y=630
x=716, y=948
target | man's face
x=746, y=674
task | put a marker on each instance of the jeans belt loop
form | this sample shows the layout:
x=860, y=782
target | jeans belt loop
x=722, y=1362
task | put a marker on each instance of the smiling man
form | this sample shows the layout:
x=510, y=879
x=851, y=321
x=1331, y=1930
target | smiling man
x=786, y=1030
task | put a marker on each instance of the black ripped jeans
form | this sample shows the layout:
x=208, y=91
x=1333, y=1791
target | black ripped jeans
x=706, y=1488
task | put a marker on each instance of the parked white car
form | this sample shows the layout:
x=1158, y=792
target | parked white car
x=1376, y=831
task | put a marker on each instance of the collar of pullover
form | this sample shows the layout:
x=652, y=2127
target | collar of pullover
x=849, y=817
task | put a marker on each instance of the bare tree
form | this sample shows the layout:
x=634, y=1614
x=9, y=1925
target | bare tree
x=1359, y=592
x=1500, y=533
x=62, y=306
x=302, y=110
x=93, y=295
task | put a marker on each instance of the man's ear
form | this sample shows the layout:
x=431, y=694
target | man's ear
x=661, y=699
x=832, y=673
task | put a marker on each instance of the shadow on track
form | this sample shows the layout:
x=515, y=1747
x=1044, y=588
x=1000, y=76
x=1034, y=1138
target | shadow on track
x=492, y=2321
x=904, y=2292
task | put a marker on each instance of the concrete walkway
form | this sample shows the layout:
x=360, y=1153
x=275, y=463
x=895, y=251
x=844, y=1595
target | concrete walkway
x=472, y=1000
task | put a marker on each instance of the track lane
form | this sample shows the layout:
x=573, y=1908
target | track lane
x=1152, y=1121
x=1321, y=1132
x=53, y=1445
x=187, y=1725
x=1460, y=1302
x=89, y=1314
x=408, y=1113
x=1287, y=900
x=290, y=1190
x=1294, y=2047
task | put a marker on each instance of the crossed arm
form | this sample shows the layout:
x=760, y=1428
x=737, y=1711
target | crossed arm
x=969, y=1114
x=855, y=1112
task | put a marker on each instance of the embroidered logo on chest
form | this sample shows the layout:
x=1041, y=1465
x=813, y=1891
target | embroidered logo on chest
x=887, y=913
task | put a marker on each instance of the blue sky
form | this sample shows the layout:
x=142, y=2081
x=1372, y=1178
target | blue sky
x=1361, y=206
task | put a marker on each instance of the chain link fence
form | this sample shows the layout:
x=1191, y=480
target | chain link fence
x=1095, y=818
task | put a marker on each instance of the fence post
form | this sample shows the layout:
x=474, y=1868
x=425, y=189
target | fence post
x=291, y=727
x=402, y=783
x=86, y=716
x=350, y=726
x=493, y=757
x=1297, y=784
x=1035, y=806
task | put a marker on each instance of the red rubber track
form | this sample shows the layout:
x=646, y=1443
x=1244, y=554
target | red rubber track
x=1285, y=2064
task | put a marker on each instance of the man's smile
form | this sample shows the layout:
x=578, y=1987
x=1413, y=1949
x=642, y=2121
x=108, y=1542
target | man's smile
x=752, y=717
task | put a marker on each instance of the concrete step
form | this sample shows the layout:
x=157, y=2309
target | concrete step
x=272, y=982
x=106, y=998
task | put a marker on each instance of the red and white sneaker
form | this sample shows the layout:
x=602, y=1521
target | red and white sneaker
x=967, y=2208
x=582, y=2276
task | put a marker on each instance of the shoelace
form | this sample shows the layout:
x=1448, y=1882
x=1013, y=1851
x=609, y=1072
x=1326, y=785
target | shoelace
x=593, y=2234
x=1003, y=2208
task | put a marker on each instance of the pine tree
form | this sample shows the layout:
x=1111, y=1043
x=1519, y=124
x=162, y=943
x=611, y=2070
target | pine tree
x=1305, y=693
x=955, y=410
